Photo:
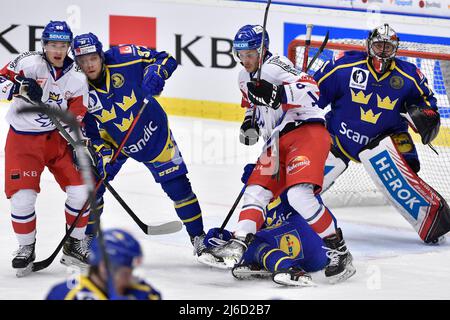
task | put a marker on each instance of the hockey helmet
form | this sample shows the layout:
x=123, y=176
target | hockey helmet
x=85, y=44
x=57, y=31
x=382, y=46
x=122, y=248
x=249, y=37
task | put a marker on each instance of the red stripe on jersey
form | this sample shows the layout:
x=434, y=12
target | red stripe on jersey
x=24, y=228
x=323, y=223
x=253, y=215
x=77, y=108
x=288, y=106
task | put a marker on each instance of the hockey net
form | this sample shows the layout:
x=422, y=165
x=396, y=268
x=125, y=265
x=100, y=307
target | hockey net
x=354, y=187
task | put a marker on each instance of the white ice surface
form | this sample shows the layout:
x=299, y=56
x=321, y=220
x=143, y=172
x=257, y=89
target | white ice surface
x=391, y=261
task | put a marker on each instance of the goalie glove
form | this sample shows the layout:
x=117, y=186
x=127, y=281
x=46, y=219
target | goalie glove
x=265, y=93
x=249, y=133
x=426, y=121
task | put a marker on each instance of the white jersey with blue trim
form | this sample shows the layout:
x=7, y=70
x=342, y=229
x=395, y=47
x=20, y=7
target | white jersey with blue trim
x=299, y=103
x=64, y=89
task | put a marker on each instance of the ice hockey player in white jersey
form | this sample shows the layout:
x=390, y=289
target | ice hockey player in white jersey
x=296, y=147
x=33, y=142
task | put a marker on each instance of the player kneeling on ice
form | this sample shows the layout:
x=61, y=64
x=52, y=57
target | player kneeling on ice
x=33, y=141
x=286, y=248
x=122, y=83
x=123, y=255
x=373, y=96
x=297, y=142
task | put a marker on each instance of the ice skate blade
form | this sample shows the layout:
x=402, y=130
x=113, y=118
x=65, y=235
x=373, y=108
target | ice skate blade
x=285, y=280
x=244, y=273
x=212, y=261
x=344, y=275
x=22, y=272
x=73, y=262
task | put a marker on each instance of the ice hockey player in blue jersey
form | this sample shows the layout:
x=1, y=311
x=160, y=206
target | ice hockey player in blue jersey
x=285, y=249
x=374, y=96
x=124, y=254
x=119, y=80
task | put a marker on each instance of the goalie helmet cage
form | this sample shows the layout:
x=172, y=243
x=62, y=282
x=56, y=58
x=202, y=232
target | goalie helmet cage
x=354, y=187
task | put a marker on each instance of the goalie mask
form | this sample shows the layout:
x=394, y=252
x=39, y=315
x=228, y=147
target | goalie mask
x=382, y=46
x=249, y=37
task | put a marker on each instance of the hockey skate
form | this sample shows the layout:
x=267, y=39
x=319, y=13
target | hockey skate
x=294, y=276
x=197, y=243
x=228, y=255
x=340, y=267
x=23, y=260
x=437, y=242
x=76, y=253
x=249, y=272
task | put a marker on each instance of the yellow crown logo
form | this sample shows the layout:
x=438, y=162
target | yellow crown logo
x=386, y=103
x=369, y=116
x=127, y=102
x=107, y=115
x=53, y=96
x=126, y=123
x=360, y=97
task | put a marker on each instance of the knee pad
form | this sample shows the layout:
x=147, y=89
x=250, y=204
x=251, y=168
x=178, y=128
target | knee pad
x=23, y=201
x=302, y=199
x=178, y=189
x=77, y=196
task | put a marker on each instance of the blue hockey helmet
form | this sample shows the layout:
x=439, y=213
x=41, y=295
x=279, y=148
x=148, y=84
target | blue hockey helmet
x=85, y=44
x=122, y=248
x=57, y=31
x=249, y=37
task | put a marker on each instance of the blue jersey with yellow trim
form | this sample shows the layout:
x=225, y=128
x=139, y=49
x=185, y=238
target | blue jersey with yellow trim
x=366, y=105
x=85, y=289
x=118, y=100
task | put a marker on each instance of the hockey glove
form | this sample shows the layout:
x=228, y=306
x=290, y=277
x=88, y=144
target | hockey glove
x=105, y=169
x=265, y=93
x=154, y=79
x=425, y=120
x=216, y=238
x=249, y=134
x=32, y=89
x=248, y=169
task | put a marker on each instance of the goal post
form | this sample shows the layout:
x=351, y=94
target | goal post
x=354, y=187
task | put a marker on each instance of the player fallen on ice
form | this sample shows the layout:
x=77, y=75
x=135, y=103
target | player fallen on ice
x=290, y=122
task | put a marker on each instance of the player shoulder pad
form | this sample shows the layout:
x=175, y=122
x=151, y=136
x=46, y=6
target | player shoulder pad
x=25, y=59
x=278, y=63
x=120, y=54
x=410, y=69
x=349, y=57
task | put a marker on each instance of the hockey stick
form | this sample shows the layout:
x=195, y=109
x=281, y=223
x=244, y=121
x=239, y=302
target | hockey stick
x=261, y=56
x=321, y=48
x=39, y=265
x=165, y=228
x=230, y=213
x=307, y=44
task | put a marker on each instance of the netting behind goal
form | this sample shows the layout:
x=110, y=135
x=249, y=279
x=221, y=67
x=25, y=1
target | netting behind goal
x=355, y=187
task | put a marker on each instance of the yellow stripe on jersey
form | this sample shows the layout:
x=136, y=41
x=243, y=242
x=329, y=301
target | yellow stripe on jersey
x=415, y=83
x=279, y=261
x=84, y=282
x=130, y=63
x=266, y=255
x=342, y=66
x=108, y=78
x=385, y=75
x=181, y=205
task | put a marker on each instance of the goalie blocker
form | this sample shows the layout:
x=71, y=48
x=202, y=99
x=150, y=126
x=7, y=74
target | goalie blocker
x=424, y=208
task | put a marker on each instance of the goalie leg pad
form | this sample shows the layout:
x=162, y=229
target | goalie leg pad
x=424, y=208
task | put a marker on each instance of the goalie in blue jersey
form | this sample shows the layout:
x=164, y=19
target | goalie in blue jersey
x=119, y=80
x=373, y=98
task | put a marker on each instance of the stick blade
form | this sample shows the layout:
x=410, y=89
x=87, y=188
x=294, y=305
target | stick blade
x=165, y=228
